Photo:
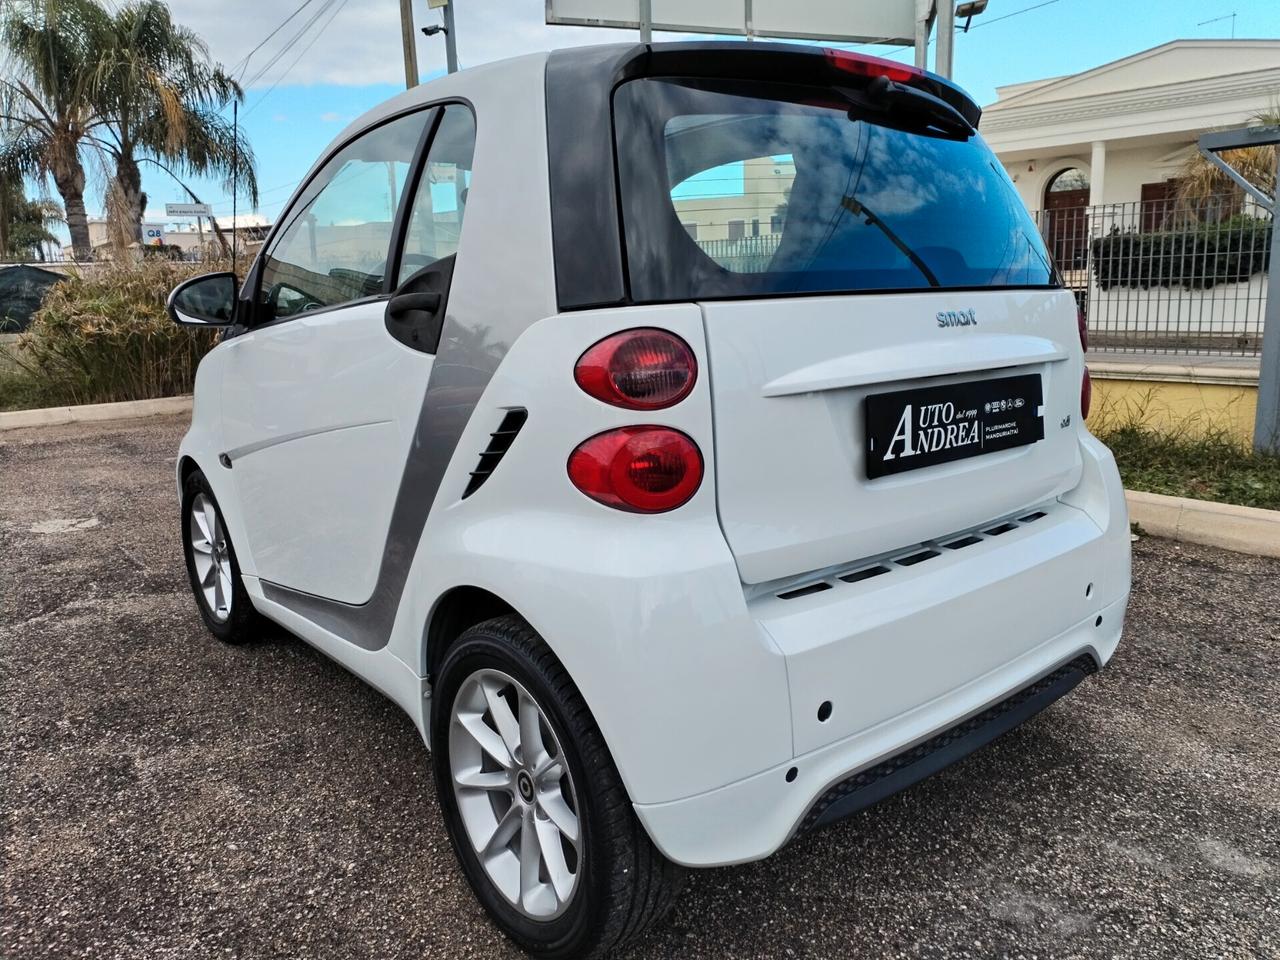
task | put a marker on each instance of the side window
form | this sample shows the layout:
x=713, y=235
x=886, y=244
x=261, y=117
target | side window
x=332, y=247
x=435, y=219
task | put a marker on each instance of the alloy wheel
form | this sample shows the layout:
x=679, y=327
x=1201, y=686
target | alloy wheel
x=515, y=794
x=211, y=556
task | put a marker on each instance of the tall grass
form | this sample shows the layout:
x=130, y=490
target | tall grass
x=104, y=336
x=1190, y=456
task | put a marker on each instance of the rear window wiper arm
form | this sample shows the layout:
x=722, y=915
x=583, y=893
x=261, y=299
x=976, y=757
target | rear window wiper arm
x=859, y=209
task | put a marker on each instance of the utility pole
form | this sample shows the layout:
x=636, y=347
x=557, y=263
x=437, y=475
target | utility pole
x=924, y=19
x=450, y=38
x=407, y=39
x=946, y=38
x=646, y=21
x=447, y=28
x=1266, y=424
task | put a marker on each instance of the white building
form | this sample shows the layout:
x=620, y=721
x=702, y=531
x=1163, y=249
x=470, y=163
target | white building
x=1119, y=132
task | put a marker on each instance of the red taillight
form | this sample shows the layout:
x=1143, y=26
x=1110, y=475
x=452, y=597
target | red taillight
x=642, y=469
x=642, y=369
x=1086, y=394
x=860, y=65
x=1084, y=330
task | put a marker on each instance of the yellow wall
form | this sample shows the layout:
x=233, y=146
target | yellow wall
x=1193, y=408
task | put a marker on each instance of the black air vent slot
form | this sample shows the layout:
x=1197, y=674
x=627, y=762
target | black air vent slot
x=859, y=575
x=499, y=443
x=804, y=591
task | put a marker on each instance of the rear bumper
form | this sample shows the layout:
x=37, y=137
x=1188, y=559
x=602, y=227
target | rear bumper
x=877, y=667
x=752, y=818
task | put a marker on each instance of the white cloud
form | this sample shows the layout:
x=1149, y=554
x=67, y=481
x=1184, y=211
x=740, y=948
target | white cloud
x=361, y=45
x=330, y=117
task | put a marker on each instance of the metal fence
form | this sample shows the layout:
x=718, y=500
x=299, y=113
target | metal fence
x=1155, y=276
x=1159, y=277
x=743, y=254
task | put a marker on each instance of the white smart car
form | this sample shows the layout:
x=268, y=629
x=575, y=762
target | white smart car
x=689, y=437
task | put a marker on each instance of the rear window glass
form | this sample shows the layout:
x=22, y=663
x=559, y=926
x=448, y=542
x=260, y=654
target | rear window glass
x=740, y=189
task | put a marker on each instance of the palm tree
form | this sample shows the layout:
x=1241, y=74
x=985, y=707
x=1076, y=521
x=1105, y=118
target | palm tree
x=45, y=104
x=159, y=96
x=24, y=223
x=1199, y=180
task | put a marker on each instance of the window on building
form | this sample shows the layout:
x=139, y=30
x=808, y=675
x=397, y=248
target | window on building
x=691, y=229
x=737, y=229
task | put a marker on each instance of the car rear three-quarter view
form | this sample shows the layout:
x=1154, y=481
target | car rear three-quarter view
x=731, y=472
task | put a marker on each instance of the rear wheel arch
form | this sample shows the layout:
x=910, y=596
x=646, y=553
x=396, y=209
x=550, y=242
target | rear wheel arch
x=458, y=609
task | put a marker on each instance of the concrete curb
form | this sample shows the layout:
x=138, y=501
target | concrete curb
x=128, y=410
x=1242, y=529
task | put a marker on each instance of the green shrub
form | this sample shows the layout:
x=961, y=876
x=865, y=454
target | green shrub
x=1197, y=257
x=1206, y=465
x=104, y=336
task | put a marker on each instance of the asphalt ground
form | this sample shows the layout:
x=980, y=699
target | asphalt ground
x=165, y=796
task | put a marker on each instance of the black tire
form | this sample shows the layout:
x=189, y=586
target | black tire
x=624, y=883
x=244, y=623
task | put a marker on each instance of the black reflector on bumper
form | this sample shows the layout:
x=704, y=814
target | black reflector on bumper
x=874, y=784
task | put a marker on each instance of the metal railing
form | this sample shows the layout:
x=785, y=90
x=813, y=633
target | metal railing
x=1162, y=277
x=743, y=254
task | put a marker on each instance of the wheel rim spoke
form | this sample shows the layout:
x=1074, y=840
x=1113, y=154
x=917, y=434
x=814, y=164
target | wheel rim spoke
x=552, y=803
x=489, y=741
x=552, y=848
x=549, y=771
x=503, y=832
x=211, y=520
x=224, y=588
x=503, y=718
x=199, y=522
x=484, y=779
x=530, y=732
x=530, y=861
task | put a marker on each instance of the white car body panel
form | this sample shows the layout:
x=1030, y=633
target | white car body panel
x=798, y=373
x=704, y=683
x=316, y=515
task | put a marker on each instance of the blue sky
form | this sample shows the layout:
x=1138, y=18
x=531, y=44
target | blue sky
x=298, y=104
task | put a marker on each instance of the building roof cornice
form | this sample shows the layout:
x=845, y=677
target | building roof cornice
x=1253, y=84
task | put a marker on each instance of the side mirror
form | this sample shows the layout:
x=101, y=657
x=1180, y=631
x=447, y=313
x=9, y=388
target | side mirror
x=205, y=301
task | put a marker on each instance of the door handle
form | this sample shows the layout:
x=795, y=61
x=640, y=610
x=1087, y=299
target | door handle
x=412, y=302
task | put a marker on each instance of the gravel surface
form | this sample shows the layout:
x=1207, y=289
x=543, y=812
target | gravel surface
x=166, y=796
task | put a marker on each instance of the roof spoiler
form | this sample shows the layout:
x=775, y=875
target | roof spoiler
x=796, y=63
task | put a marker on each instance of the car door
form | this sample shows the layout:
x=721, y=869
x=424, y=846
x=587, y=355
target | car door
x=322, y=394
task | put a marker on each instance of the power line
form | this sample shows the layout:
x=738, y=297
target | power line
x=288, y=45
x=986, y=23
x=980, y=23
x=243, y=63
x=301, y=54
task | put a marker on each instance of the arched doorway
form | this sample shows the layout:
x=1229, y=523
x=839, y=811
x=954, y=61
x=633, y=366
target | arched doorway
x=1066, y=203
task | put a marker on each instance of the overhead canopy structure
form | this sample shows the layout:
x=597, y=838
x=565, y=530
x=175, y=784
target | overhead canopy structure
x=844, y=21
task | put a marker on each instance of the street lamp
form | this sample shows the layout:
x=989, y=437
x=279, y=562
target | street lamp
x=969, y=11
x=947, y=30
